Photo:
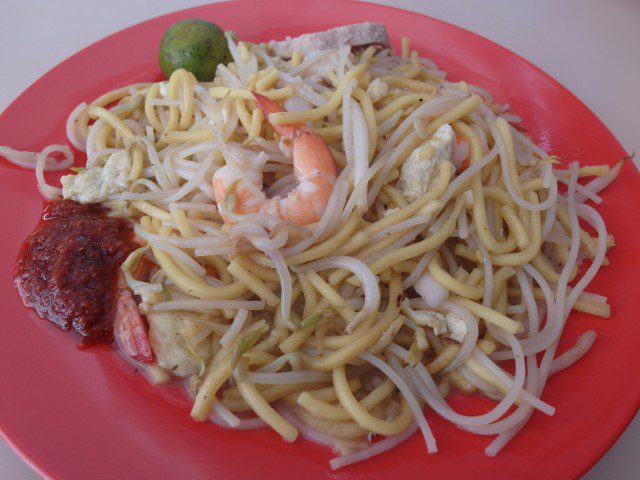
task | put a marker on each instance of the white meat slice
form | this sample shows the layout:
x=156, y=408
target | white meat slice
x=358, y=34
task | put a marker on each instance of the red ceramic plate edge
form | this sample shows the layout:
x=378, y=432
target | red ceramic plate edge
x=621, y=421
x=22, y=453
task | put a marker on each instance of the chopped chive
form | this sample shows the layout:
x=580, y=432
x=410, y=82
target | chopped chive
x=77, y=169
x=249, y=340
x=312, y=320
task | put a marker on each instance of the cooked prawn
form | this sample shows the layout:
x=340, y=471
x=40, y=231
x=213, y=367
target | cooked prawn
x=314, y=169
x=129, y=327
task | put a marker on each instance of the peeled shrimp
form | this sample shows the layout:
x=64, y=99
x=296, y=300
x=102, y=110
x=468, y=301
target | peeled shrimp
x=314, y=169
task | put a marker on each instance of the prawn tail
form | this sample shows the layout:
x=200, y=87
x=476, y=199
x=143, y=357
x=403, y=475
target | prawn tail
x=268, y=106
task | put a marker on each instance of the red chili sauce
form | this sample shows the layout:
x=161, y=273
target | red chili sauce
x=68, y=267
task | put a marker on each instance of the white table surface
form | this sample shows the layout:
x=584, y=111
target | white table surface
x=590, y=46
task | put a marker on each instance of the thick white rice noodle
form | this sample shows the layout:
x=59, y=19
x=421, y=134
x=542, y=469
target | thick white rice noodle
x=375, y=449
x=235, y=327
x=409, y=397
x=574, y=354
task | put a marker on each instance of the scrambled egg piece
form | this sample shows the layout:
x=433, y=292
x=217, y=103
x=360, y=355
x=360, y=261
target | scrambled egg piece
x=170, y=347
x=377, y=90
x=432, y=319
x=451, y=324
x=96, y=185
x=456, y=326
x=421, y=168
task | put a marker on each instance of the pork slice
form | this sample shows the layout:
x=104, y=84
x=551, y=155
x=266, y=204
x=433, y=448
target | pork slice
x=356, y=35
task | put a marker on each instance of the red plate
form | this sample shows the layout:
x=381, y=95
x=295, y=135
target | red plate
x=87, y=414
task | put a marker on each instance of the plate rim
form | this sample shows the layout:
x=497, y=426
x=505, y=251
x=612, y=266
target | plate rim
x=624, y=421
